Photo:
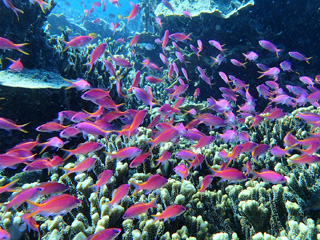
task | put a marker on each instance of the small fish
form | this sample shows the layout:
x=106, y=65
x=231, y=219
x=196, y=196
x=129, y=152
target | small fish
x=170, y=212
x=182, y=171
x=134, y=40
x=7, y=188
x=128, y=152
x=77, y=42
x=299, y=56
x=154, y=182
x=179, y=37
x=106, y=234
x=251, y=56
x=8, y=124
x=21, y=197
x=16, y=65
x=237, y=63
x=269, y=46
x=118, y=194
x=137, y=161
x=133, y=12
x=95, y=93
x=165, y=41
x=231, y=174
x=52, y=188
x=258, y=150
x=8, y=45
x=54, y=205
x=164, y=136
x=9, y=4
x=96, y=53
x=187, y=14
x=267, y=175
x=286, y=66
x=79, y=84
x=84, y=148
x=217, y=45
x=206, y=181
x=166, y=155
x=135, y=210
x=168, y=5
x=85, y=165
x=50, y=127
x=103, y=178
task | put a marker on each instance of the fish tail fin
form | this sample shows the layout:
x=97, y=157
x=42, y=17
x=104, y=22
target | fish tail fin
x=155, y=218
x=89, y=64
x=153, y=203
x=307, y=60
x=42, y=5
x=137, y=188
x=66, y=44
x=18, y=47
x=23, y=125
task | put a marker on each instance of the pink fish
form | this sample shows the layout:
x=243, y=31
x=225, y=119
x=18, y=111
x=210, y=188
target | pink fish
x=204, y=76
x=135, y=82
x=170, y=212
x=37, y=165
x=153, y=79
x=197, y=161
x=231, y=174
x=91, y=128
x=106, y=234
x=204, y=141
x=135, y=210
x=52, y=142
x=159, y=21
x=121, y=62
x=8, y=45
x=137, y=161
x=133, y=12
x=7, y=188
x=271, y=72
x=168, y=5
x=286, y=66
x=182, y=171
x=84, y=148
x=258, y=150
x=97, y=52
x=54, y=205
x=269, y=46
x=51, y=188
x=103, y=178
x=196, y=93
x=7, y=160
x=128, y=152
x=217, y=45
x=95, y=93
x=237, y=63
x=118, y=194
x=166, y=155
x=278, y=151
x=164, y=136
x=179, y=37
x=299, y=56
x=206, y=181
x=83, y=166
x=154, y=182
x=16, y=65
x=303, y=159
x=77, y=42
x=21, y=197
x=187, y=14
x=251, y=56
x=50, y=127
x=107, y=103
x=165, y=40
x=267, y=175
x=134, y=40
x=144, y=96
x=218, y=60
x=9, y=4
x=79, y=84
x=237, y=149
x=8, y=124
x=69, y=132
